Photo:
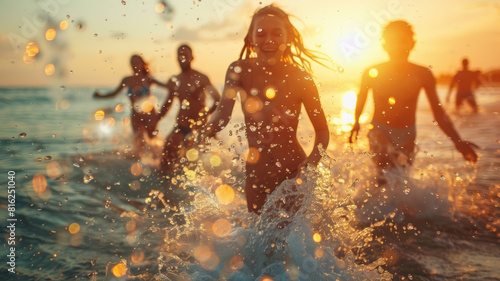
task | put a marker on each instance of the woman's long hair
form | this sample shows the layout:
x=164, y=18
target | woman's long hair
x=295, y=52
x=144, y=66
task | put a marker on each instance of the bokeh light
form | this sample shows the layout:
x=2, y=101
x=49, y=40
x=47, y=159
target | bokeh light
x=190, y=174
x=215, y=160
x=63, y=25
x=202, y=253
x=119, y=107
x=253, y=105
x=137, y=257
x=53, y=169
x=225, y=194
x=32, y=49
x=74, y=228
x=50, y=69
x=192, y=154
x=39, y=183
x=119, y=270
x=147, y=106
x=99, y=115
x=317, y=237
x=159, y=8
x=373, y=72
x=270, y=93
x=391, y=101
x=252, y=155
x=50, y=34
x=236, y=263
x=136, y=169
x=221, y=227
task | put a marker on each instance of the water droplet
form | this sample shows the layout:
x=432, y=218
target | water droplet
x=87, y=178
x=123, y=2
x=442, y=178
x=107, y=203
x=22, y=135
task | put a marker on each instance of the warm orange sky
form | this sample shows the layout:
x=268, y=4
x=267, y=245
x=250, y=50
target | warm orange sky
x=348, y=31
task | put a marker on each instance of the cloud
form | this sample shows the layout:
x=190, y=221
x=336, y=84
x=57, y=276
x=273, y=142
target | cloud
x=224, y=22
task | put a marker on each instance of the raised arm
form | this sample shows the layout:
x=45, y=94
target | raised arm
x=444, y=122
x=312, y=105
x=360, y=104
x=113, y=93
x=222, y=114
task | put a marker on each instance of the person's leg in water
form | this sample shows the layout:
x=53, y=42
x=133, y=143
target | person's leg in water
x=262, y=180
x=172, y=148
x=139, y=131
x=471, y=100
x=392, y=148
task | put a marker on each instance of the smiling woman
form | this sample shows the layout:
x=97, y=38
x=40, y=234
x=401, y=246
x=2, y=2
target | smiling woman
x=274, y=81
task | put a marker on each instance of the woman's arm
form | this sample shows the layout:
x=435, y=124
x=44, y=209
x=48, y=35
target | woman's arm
x=312, y=105
x=113, y=93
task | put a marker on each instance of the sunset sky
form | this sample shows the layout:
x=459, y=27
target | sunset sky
x=95, y=47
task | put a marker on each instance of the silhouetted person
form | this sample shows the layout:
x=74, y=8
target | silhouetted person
x=191, y=88
x=144, y=115
x=273, y=82
x=466, y=82
x=395, y=86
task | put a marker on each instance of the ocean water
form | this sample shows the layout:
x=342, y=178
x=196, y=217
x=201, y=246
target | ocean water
x=87, y=208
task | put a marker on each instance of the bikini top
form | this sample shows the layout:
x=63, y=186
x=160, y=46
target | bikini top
x=144, y=92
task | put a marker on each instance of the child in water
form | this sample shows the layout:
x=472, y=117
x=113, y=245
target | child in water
x=274, y=80
x=138, y=86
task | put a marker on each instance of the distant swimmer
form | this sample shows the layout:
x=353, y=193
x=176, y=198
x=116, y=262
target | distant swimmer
x=273, y=79
x=395, y=86
x=193, y=90
x=144, y=115
x=466, y=81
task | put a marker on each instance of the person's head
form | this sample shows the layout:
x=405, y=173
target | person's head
x=465, y=63
x=138, y=65
x=184, y=56
x=272, y=36
x=398, y=40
